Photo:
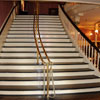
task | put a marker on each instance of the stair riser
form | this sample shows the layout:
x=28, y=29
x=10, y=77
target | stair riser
x=34, y=61
x=32, y=67
x=43, y=23
x=41, y=26
x=43, y=40
x=41, y=71
x=21, y=88
x=33, y=44
x=42, y=36
x=37, y=79
x=34, y=55
x=60, y=78
x=31, y=32
x=31, y=18
x=36, y=83
x=40, y=21
x=40, y=16
x=31, y=29
x=39, y=93
x=32, y=49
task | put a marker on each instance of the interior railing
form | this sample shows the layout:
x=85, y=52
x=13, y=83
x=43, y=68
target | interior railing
x=47, y=70
x=80, y=39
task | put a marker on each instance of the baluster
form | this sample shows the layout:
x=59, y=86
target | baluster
x=92, y=56
x=79, y=39
x=98, y=61
x=44, y=79
x=81, y=42
x=89, y=51
x=86, y=49
x=47, y=80
x=95, y=58
x=84, y=45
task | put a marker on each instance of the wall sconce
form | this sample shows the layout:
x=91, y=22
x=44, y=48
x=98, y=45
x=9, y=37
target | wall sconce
x=96, y=31
x=91, y=34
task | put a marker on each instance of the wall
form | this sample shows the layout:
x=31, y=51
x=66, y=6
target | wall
x=43, y=7
x=91, y=34
x=5, y=7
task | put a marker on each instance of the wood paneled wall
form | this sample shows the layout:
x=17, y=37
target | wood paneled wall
x=5, y=7
x=43, y=7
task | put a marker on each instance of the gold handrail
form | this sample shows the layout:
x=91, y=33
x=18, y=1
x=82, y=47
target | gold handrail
x=48, y=64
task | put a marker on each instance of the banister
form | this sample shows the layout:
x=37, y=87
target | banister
x=43, y=45
x=48, y=64
x=37, y=45
x=79, y=29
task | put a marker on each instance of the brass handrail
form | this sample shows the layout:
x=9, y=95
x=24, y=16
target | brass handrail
x=47, y=65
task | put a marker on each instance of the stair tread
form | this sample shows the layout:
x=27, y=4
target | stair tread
x=64, y=76
x=39, y=23
x=84, y=77
x=32, y=55
x=63, y=82
x=33, y=19
x=33, y=34
x=40, y=30
x=16, y=26
x=82, y=96
x=32, y=38
x=21, y=26
x=65, y=87
x=73, y=63
x=41, y=52
x=53, y=57
x=34, y=42
x=37, y=88
x=39, y=47
x=41, y=70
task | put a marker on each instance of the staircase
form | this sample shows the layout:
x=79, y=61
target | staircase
x=21, y=76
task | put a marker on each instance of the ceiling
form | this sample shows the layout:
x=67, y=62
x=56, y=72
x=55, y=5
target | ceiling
x=78, y=1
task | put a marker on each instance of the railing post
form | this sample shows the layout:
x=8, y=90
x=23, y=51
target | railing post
x=14, y=12
x=98, y=61
x=44, y=80
x=47, y=80
x=76, y=36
